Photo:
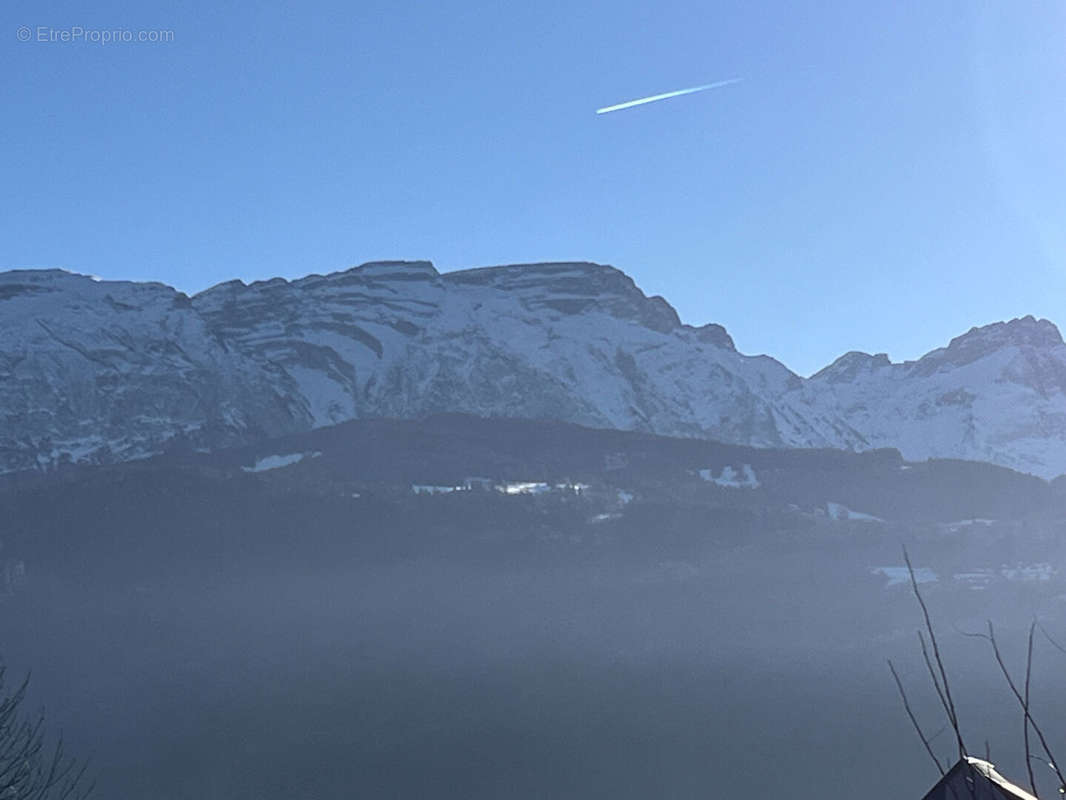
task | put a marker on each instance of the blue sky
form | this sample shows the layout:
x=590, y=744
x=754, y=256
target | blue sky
x=884, y=177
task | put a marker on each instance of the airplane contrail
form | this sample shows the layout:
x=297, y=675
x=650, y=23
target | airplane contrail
x=678, y=93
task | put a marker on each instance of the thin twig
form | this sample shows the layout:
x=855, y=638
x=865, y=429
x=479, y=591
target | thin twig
x=939, y=731
x=1025, y=706
x=1024, y=721
x=953, y=716
x=914, y=720
x=1052, y=761
x=1047, y=636
x=934, y=678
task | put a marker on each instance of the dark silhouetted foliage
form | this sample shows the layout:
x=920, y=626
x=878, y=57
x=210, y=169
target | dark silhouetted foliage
x=28, y=769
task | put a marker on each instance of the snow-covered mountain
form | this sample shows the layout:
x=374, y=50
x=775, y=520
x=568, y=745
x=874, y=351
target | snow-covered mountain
x=97, y=370
x=996, y=393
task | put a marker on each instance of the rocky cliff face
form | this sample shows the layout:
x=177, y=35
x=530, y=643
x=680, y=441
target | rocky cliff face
x=97, y=371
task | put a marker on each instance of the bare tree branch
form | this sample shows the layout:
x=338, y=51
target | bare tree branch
x=1025, y=707
x=914, y=720
x=934, y=678
x=1051, y=760
x=1047, y=636
x=949, y=703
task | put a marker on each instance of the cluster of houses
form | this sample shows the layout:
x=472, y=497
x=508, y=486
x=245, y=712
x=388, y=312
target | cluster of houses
x=976, y=579
x=476, y=484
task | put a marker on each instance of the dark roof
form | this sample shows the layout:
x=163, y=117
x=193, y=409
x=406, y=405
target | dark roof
x=974, y=779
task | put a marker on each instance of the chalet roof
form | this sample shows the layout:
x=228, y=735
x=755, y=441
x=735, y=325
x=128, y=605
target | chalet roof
x=974, y=779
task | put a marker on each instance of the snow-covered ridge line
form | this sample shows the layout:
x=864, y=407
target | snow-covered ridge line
x=134, y=368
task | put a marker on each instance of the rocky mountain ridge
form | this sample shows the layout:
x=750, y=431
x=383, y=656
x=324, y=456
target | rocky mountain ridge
x=99, y=371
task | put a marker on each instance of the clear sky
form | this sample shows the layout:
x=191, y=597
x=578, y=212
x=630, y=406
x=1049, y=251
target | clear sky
x=885, y=176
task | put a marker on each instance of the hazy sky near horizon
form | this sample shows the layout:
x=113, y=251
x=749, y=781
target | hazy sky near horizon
x=884, y=176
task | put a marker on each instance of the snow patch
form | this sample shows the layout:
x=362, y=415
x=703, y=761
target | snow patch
x=731, y=478
x=900, y=575
x=604, y=517
x=841, y=512
x=279, y=461
x=524, y=487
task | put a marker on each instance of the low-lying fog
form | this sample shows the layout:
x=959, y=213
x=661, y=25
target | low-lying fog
x=465, y=681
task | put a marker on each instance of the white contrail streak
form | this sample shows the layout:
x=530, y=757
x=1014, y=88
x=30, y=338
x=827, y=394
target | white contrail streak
x=678, y=93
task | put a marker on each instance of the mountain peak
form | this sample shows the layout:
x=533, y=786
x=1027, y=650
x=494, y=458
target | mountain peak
x=539, y=274
x=574, y=287
x=1017, y=332
x=376, y=271
x=713, y=333
x=979, y=342
x=850, y=365
x=395, y=269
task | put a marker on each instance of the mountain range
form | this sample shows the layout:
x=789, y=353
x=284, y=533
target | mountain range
x=95, y=371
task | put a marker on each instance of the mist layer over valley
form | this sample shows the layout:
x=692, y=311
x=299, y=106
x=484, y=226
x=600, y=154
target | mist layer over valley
x=480, y=609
